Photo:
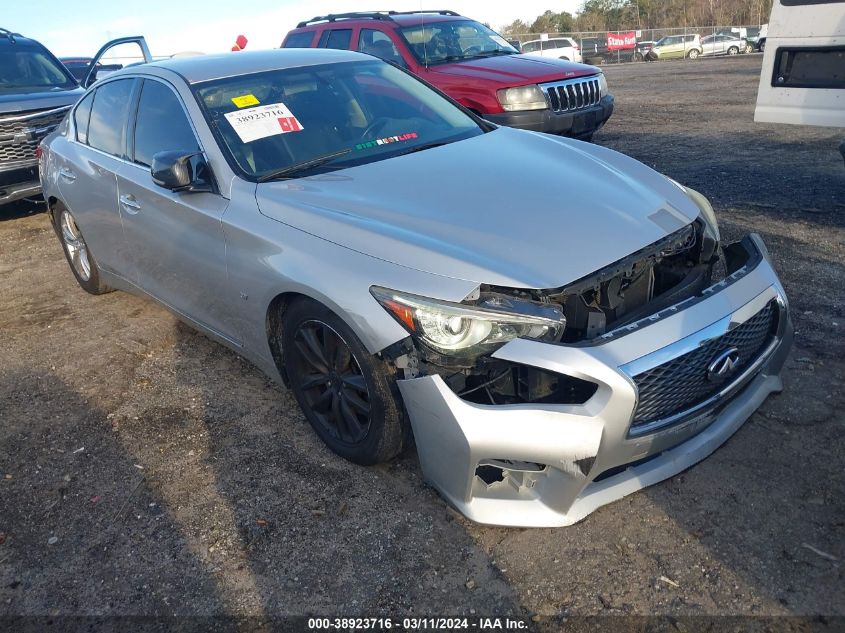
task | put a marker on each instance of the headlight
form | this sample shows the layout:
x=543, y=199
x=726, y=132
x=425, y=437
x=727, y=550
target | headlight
x=470, y=330
x=522, y=98
x=603, y=85
x=704, y=206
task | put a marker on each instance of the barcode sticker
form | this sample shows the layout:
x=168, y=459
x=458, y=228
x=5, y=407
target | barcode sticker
x=263, y=121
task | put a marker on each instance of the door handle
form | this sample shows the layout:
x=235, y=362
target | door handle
x=128, y=202
x=67, y=174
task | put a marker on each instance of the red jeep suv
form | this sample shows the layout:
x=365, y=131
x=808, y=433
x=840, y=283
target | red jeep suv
x=472, y=64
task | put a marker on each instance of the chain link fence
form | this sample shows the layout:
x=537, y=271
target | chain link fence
x=638, y=45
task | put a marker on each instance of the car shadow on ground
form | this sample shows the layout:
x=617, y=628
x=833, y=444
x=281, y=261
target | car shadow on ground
x=252, y=514
x=21, y=209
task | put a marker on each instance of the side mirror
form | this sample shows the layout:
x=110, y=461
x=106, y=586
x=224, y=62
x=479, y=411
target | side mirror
x=181, y=171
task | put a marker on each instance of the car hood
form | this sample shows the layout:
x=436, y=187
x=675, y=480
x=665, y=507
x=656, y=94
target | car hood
x=508, y=208
x=12, y=102
x=515, y=70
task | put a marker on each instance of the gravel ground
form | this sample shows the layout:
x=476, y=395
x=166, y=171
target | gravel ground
x=145, y=470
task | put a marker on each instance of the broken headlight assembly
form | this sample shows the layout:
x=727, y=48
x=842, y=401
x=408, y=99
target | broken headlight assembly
x=711, y=225
x=470, y=330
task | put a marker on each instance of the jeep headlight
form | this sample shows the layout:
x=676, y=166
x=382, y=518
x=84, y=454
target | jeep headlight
x=522, y=98
x=469, y=330
x=603, y=91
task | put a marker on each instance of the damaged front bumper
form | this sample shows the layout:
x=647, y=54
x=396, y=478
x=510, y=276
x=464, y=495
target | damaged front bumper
x=557, y=463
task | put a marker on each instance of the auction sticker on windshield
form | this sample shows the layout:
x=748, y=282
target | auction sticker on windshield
x=263, y=121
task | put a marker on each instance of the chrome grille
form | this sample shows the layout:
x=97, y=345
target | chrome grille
x=573, y=94
x=682, y=383
x=20, y=133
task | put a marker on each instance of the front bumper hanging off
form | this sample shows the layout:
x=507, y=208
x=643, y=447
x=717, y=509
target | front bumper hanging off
x=558, y=463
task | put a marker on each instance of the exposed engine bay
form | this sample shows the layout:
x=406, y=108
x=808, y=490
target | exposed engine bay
x=662, y=274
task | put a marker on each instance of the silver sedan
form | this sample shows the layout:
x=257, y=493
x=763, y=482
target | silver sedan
x=554, y=324
x=721, y=44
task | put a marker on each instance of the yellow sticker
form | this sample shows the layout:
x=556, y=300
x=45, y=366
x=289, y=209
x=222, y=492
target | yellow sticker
x=245, y=100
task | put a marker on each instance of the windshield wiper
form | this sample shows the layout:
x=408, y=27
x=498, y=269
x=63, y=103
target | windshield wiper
x=491, y=54
x=302, y=166
x=424, y=146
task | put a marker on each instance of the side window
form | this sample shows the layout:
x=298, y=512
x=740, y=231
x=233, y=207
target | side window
x=299, y=40
x=81, y=116
x=336, y=38
x=108, y=116
x=161, y=124
x=379, y=45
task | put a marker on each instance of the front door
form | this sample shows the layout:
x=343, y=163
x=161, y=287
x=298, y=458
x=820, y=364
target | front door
x=176, y=238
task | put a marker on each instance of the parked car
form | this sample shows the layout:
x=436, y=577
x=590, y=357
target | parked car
x=556, y=47
x=676, y=47
x=721, y=44
x=761, y=38
x=594, y=50
x=642, y=49
x=473, y=65
x=79, y=67
x=36, y=91
x=554, y=323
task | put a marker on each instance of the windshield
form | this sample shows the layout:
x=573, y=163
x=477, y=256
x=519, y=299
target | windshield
x=454, y=41
x=331, y=116
x=31, y=68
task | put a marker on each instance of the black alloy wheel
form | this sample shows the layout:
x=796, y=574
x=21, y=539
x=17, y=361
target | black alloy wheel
x=348, y=395
x=331, y=381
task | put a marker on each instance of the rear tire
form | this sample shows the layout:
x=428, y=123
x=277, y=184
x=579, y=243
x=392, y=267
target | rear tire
x=693, y=54
x=82, y=263
x=748, y=49
x=349, y=396
x=762, y=46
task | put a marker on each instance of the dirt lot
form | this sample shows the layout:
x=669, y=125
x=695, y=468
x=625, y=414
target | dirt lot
x=147, y=470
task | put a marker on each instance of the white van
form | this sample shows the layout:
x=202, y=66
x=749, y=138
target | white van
x=803, y=76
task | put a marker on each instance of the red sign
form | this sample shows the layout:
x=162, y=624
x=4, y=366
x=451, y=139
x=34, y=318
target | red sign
x=621, y=41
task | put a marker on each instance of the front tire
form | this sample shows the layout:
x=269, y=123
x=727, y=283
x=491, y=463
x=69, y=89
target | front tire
x=77, y=253
x=349, y=396
x=733, y=50
x=693, y=54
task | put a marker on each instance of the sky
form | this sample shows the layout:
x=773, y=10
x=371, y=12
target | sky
x=211, y=26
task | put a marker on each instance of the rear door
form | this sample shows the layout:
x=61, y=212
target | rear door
x=88, y=172
x=175, y=238
x=803, y=76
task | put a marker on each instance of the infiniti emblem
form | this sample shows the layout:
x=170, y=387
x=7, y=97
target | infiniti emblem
x=724, y=365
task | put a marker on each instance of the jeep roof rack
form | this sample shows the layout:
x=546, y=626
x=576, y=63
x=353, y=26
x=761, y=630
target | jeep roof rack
x=370, y=15
x=9, y=35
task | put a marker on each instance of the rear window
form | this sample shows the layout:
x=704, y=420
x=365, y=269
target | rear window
x=81, y=116
x=336, y=38
x=108, y=116
x=299, y=40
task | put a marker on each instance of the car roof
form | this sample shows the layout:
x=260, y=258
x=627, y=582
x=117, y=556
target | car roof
x=387, y=19
x=7, y=38
x=551, y=39
x=206, y=67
